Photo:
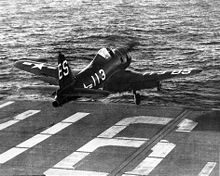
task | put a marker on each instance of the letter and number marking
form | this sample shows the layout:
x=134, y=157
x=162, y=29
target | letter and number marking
x=63, y=70
x=96, y=79
x=174, y=72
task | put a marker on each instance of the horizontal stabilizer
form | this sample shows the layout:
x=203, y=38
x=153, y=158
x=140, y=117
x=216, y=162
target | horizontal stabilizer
x=39, y=89
x=50, y=88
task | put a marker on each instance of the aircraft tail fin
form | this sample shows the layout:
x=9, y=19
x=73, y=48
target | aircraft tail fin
x=65, y=75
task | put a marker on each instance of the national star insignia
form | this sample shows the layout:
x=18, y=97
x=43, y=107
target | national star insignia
x=39, y=66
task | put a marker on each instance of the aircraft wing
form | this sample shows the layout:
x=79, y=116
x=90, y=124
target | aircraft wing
x=37, y=68
x=129, y=80
x=45, y=72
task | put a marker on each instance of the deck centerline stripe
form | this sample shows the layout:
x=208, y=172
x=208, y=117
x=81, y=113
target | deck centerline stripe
x=26, y=114
x=31, y=142
x=56, y=128
x=18, y=118
x=7, y=124
x=11, y=153
x=6, y=104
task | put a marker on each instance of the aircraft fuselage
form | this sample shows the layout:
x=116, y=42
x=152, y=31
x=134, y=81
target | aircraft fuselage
x=101, y=69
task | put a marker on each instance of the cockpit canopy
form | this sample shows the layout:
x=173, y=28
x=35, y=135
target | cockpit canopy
x=118, y=53
x=105, y=53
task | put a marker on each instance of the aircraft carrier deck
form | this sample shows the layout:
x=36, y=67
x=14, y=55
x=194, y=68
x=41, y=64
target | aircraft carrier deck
x=101, y=139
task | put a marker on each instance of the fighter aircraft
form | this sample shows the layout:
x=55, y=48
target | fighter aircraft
x=107, y=73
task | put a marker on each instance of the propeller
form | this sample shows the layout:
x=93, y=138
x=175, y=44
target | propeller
x=130, y=45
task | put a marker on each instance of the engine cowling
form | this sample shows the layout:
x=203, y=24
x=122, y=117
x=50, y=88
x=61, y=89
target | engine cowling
x=123, y=56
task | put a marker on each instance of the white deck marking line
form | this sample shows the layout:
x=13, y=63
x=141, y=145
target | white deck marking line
x=62, y=172
x=56, y=128
x=67, y=165
x=146, y=166
x=11, y=153
x=112, y=131
x=121, y=125
x=145, y=120
x=92, y=145
x=32, y=141
x=26, y=114
x=18, y=118
x=160, y=151
x=7, y=124
x=186, y=125
x=20, y=148
x=71, y=160
x=207, y=169
x=6, y=104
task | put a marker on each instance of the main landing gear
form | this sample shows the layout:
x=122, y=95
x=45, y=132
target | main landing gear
x=137, y=98
x=159, y=85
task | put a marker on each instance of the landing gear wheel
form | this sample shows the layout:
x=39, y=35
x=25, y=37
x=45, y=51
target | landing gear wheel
x=55, y=104
x=137, y=98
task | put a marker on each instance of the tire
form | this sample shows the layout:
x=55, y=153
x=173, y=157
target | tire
x=55, y=104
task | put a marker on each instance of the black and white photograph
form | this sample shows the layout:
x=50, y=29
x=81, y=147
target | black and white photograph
x=109, y=87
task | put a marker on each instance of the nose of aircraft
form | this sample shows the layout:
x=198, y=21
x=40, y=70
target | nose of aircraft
x=127, y=48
